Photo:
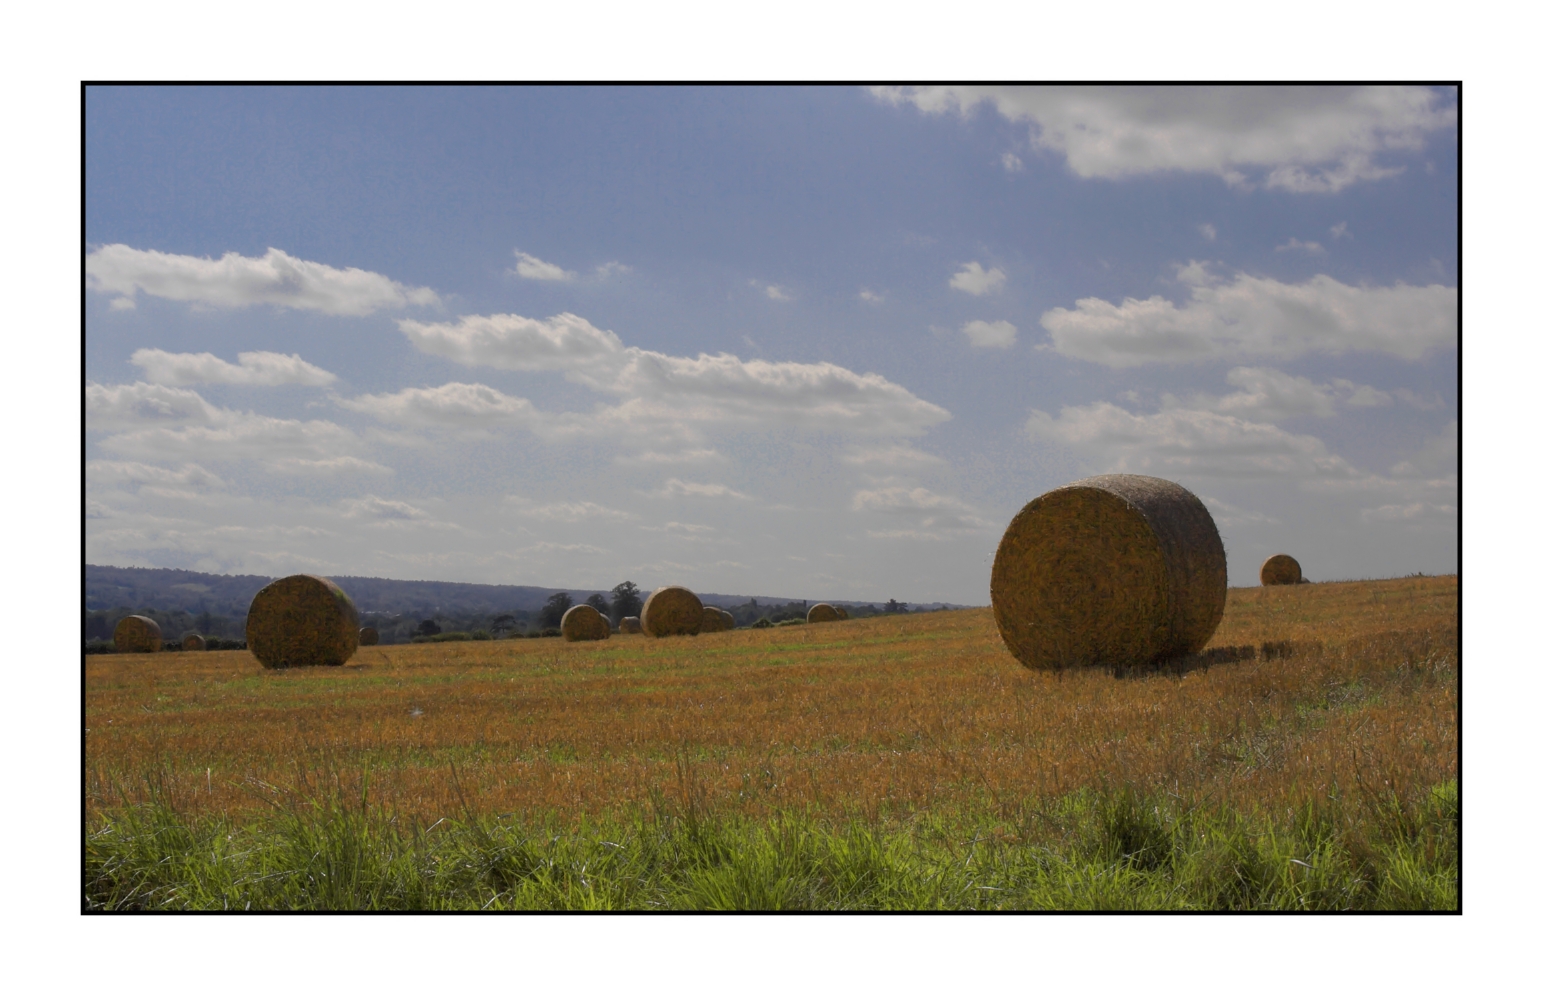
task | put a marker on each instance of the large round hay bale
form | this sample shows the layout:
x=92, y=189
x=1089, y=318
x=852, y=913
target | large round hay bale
x=841, y=612
x=821, y=612
x=369, y=636
x=672, y=611
x=1116, y=570
x=1281, y=569
x=137, y=635
x=713, y=621
x=584, y=622
x=302, y=621
x=630, y=624
x=192, y=641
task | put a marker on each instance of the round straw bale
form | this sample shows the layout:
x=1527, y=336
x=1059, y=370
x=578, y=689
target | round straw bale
x=1114, y=570
x=630, y=624
x=1281, y=569
x=713, y=620
x=842, y=613
x=821, y=612
x=672, y=611
x=584, y=622
x=136, y=635
x=192, y=641
x=728, y=619
x=369, y=636
x=300, y=621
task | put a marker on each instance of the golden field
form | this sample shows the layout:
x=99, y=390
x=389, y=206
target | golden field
x=885, y=716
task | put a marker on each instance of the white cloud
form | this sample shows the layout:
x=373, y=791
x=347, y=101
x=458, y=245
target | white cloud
x=927, y=515
x=1294, y=244
x=1207, y=231
x=991, y=335
x=1012, y=163
x=1341, y=231
x=568, y=511
x=119, y=405
x=549, y=547
x=453, y=405
x=900, y=457
x=256, y=368
x=373, y=507
x=972, y=278
x=688, y=529
x=236, y=281
x=1407, y=513
x=607, y=270
x=655, y=458
x=1269, y=395
x=679, y=390
x=1301, y=139
x=1178, y=443
x=1231, y=516
x=343, y=466
x=1258, y=316
x=778, y=293
x=870, y=296
x=1437, y=456
x=532, y=268
x=677, y=488
x=118, y=472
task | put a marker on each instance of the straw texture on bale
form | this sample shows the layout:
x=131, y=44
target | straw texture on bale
x=584, y=622
x=821, y=612
x=630, y=624
x=842, y=613
x=672, y=611
x=1281, y=569
x=302, y=621
x=136, y=635
x=715, y=620
x=369, y=636
x=1118, y=570
x=192, y=641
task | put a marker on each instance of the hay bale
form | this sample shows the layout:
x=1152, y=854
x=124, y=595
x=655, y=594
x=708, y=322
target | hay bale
x=1119, y=570
x=672, y=611
x=302, y=621
x=728, y=619
x=820, y=612
x=137, y=635
x=842, y=613
x=1280, y=569
x=192, y=641
x=630, y=624
x=369, y=636
x=715, y=620
x=584, y=622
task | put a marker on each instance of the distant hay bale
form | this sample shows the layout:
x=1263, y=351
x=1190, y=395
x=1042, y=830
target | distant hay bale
x=630, y=624
x=302, y=621
x=192, y=641
x=715, y=620
x=820, y=612
x=1119, y=570
x=672, y=611
x=842, y=612
x=728, y=619
x=1281, y=569
x=369, y=636
x=584, y=622
x=136, y=635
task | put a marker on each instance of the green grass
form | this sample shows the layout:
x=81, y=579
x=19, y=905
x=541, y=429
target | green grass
x=1085, y=850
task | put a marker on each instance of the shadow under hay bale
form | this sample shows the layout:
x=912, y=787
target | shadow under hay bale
x=630, y=624
x=137, y=635
x=672, y=611
x=302, y=621
x=820, y=612
x=715, y=620
x=1281, y=569
x=192, y=641
x=369, y=636
x=584, y=622
x=1117, y=571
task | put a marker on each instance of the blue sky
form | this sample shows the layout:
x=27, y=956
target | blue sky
x=818, y=342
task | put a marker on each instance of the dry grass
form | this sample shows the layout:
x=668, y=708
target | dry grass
x=1280, y=569
x=584, y=622
x=302, y=621
x=137, y=635
x=1113, y=570
x=672, y=611
x=892, y=714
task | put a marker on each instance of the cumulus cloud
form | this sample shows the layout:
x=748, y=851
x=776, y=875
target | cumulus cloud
x=607, y=270
x=665, y=388
x=236, y=281
x=898, y=457
x=532, y=268
x=777, y=293
x=343, y=466
x=925, y=514
x=677, y=488
x=972, y=278
x=567, y=511
x=870, y=296
x=1257, y=316
x=1294, y=138
x=376, y=508
x=1207, y=231
x=1269, y=395
x=991, y=335
x=255, y=368
x=1341, y=231
x=1012, y=163
x=189, y=475
x=117, y=405
x=453, y=405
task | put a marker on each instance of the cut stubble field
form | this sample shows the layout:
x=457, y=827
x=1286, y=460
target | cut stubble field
x=889, y=723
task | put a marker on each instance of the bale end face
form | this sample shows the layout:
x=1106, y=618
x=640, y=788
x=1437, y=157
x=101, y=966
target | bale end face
x=584, y=622
x=137, y=635
x=302, y=621
x=630, y=624
x=1280, y=569
x=820, y=612
x=369, y=636
x=672, y=611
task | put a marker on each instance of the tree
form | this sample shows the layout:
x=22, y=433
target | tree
x=600, y=604
x=552, y=611
x=626, y=600
x=503, y=623
x=428, y=627
x=895, y=606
